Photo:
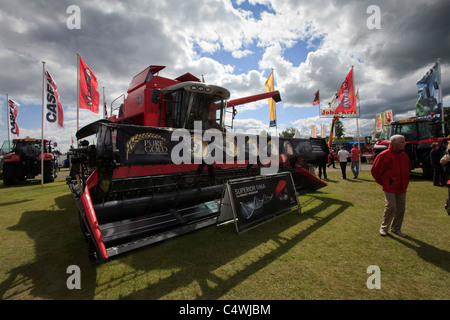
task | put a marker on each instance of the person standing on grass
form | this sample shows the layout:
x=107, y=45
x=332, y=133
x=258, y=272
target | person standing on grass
x=323, y=168
x=355, y=156
x=331, y=157
x=343, y=155
x=391, y=170
x=438, y=169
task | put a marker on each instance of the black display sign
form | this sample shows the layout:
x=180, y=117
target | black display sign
x=258, y=199
x=139, y=144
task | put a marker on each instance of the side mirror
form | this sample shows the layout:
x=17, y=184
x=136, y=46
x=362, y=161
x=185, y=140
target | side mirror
x=55, y=144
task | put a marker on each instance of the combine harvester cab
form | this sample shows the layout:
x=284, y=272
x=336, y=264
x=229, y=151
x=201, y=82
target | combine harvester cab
x=160, y=164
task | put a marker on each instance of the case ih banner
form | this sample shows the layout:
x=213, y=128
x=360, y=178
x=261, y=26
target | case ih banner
x=88, y=96
x=343, y=103
x=53, y=110
x=12, y=121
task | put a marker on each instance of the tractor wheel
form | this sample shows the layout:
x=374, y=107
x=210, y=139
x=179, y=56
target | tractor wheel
x=49, y=174
x=10, y=172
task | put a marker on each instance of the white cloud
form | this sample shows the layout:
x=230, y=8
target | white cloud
x=238, y=54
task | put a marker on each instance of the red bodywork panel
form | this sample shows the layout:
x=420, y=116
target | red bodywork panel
x=15, y=157
x=90, y=214
x=138, y=109
x=12, y=157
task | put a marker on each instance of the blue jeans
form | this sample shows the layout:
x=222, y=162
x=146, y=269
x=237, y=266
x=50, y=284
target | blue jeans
x=355, y=168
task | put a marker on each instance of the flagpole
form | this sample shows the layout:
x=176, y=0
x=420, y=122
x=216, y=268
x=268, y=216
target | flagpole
x=78, y=91
x=7, y=120
x=42, y=127
x=357, y=115
x=442, y=99
x=357, y=133
x=104, y=109
x=275, y=106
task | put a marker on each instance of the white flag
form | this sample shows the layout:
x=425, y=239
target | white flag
x=53, y=110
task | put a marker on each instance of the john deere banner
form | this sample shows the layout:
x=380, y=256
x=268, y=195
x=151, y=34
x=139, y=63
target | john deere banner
x=258, y=199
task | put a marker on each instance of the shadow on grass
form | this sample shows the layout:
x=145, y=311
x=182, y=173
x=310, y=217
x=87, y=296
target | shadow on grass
x=57, y=245
x=179, y=262
x=11, y=203
x=197, y=261
x=440, y=258
x=24, y=183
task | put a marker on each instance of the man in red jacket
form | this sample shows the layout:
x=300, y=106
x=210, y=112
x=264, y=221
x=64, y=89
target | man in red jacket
x=391, y=170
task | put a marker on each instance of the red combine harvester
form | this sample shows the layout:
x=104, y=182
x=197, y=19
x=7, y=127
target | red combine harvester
x=157, y=169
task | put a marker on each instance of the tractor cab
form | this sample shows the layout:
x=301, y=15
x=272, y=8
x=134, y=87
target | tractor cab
x=412, y=130
x=30, y=147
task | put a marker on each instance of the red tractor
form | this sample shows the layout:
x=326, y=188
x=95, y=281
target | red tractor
x=24, y=161
x=419, y=135
x=156, y=172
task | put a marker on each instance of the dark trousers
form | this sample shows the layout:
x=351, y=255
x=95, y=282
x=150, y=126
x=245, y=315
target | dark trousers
x=324, y=169
x=439, y=175
x=343, y=169
x=331, y=163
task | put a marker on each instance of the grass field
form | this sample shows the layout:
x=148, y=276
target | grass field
x=320, y=251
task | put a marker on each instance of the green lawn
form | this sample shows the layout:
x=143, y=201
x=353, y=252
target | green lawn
x=321, y=251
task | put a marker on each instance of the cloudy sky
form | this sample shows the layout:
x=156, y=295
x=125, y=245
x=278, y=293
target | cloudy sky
x=310, y=45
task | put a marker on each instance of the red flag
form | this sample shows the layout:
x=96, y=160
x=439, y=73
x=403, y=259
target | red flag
x=347, y=96
x=13, y=113
x=88, y=95
x=53, y=109
x=316, y=98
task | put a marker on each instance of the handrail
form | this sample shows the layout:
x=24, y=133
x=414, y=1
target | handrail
x=111, y=109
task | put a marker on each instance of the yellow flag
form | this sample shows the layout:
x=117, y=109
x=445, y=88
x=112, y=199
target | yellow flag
x=272, y=110
x=357, y=95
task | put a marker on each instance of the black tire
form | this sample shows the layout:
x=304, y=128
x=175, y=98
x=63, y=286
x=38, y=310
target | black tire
x=49, y=172
x=10, y=172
